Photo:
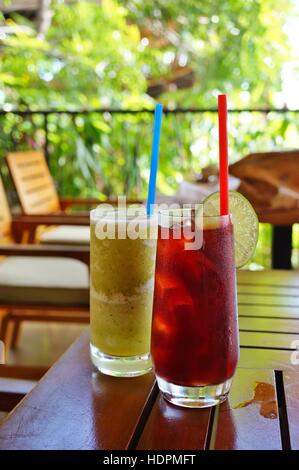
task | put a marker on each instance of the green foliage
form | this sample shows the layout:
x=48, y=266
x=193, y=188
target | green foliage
x=93, y=55
x=86, y=59
x=104, y=56
x=232, y=45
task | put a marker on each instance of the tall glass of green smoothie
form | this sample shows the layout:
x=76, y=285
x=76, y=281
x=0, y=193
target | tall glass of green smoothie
x=122, y=266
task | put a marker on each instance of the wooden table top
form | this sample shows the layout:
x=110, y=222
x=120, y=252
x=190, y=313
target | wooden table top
x=74, y=407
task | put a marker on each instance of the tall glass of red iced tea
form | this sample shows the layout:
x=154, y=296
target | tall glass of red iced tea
x=194, y=342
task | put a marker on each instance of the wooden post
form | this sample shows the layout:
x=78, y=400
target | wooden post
x=282, y=247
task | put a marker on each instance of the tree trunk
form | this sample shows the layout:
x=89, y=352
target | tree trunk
x=43, y=18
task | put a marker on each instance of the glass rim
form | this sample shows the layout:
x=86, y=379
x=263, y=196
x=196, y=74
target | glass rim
x=121, y=214
x=189, y=211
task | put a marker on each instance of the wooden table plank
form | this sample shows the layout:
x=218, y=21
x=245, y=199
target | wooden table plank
x=74, y=408
x=249, y=419
x=268, y=290
x=270, y=311
x=170, y=427
x=278, y=277
x=252, y=358
x=262, y=299
x=269, y=340
x=278, y=325
x=291, y=388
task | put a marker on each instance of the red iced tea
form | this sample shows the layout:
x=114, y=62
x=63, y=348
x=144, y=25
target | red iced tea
x=195, y=330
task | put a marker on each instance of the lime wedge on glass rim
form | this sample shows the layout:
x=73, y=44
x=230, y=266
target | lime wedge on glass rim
x=245, y=222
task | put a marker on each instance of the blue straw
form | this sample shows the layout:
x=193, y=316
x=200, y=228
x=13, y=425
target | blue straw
x=154, y=159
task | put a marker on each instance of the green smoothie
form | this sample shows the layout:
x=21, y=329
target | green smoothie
x=121, y=292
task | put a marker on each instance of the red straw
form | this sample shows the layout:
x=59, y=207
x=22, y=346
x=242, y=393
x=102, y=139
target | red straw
x=223, y=154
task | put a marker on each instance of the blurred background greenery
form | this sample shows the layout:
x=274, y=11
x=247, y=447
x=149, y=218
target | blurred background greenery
x=117, y=54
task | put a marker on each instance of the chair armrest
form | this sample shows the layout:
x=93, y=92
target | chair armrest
x=69, y=202
x=22, y=372
x=80, y=253
x=27, y=224
x=50, y=219
x=66, y=203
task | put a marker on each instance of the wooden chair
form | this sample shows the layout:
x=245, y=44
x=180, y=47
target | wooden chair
x=35, y=186
x=15, y=382
x=38, y=282
x=37, y=194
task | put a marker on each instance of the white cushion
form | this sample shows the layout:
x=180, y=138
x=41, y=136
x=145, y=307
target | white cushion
x=57, y=281
x=67, y=235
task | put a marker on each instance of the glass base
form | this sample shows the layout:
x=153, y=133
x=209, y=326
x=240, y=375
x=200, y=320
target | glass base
x=194, y=397
x=120, y=366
